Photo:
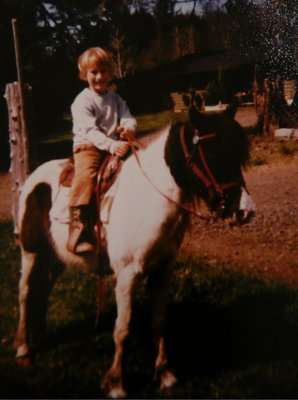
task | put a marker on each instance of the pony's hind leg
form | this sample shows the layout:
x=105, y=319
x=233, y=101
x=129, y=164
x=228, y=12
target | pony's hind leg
x=35, y=284
x=158, y=285
x=36, y=253
x=125, y=284
x=21, y=342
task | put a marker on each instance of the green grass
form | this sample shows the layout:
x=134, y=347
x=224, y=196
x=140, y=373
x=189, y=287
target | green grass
x=145, y=122
x=264, y=149
x=229, y=335
x=156, y=121
x=59, y=145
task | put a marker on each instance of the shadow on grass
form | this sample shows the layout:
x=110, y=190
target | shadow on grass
x=246, y=349
x=208, y=339
x=68, y=364
x=228, y=336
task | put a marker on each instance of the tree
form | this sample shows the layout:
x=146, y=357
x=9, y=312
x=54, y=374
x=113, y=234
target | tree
x=141, y=34
x=279, y=20
x=244, y=23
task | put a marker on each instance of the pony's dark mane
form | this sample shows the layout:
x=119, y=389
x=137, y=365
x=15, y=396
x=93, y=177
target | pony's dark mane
x=231, y=141
x=230, y=133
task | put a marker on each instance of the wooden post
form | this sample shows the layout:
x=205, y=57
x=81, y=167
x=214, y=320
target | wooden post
x=18, y=150
x=15, y=95
x=21, y=88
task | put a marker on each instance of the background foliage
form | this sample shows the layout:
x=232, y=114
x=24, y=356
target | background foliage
x=143, y=35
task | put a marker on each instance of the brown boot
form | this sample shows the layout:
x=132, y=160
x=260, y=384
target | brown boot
x=80, y=239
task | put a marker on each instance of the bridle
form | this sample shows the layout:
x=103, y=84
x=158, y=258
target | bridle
x=207, y=178
x=204, y=173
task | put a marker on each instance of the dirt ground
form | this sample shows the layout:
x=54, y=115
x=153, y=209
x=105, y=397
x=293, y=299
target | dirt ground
x=267, y=246
x=5, y=196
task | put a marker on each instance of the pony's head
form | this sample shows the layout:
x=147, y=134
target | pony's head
x=206, y=156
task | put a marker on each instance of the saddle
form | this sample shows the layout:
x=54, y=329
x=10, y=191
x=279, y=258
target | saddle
x=107, y=173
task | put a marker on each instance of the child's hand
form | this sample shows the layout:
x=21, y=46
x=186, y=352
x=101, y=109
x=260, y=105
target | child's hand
x=120, y=148
x=125, y=132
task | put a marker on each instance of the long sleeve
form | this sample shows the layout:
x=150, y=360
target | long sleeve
x=125, y=117
x=96, y=118
x=85, y=127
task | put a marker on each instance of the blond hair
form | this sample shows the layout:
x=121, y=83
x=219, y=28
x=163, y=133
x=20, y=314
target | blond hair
x=94, y=56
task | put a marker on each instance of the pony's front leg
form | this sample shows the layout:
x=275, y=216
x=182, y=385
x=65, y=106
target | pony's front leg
x=158, y=285
x=125, y=283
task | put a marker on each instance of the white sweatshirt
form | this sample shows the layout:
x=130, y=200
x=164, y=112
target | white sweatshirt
x=96, y=117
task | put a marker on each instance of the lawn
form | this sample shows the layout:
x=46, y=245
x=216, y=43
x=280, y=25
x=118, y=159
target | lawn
x=264, y=149
x=229, y=336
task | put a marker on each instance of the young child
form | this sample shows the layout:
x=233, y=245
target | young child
x=100, y=118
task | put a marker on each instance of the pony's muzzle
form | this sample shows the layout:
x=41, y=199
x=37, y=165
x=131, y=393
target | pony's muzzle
x=247, y=208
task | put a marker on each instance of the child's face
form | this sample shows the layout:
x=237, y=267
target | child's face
x=98, y=77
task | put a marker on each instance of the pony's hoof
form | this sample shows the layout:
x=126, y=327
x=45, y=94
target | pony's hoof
x=117, y=393
x=167, y=380
x=112, y=385
x=24, y=361
x=22, y=350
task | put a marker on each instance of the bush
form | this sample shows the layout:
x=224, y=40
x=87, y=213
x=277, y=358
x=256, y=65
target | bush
x=289, y=148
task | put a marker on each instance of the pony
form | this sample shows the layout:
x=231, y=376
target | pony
x=200, y=158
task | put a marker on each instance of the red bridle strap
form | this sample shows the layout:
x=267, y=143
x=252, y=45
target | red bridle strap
x=215, y=184
x=209, y=179
x=196, y=138
x=179, y=205
x=196, y=170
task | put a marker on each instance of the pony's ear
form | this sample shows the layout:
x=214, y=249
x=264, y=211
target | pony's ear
x=232, y=109
x=197, y=101
x=186, y=100
x=196, y=116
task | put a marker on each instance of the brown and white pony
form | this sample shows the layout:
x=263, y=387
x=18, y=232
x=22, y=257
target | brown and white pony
x=146, y=225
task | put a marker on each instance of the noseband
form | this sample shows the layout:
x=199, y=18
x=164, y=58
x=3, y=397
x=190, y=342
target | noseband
x=204, y=174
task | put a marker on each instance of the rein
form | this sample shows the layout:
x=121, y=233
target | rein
x=207, y=178
x=179, y=205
